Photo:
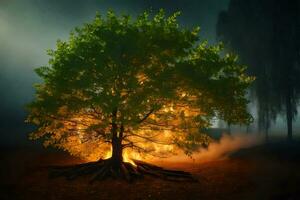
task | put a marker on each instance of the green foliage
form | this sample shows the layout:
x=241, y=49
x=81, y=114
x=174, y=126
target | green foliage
x=151, y=71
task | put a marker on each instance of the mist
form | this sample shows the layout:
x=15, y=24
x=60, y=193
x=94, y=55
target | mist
x=218, y=149
x=227, y=145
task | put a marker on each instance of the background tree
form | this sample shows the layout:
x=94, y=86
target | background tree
x=264, y=34
x=134, y=86
x=286, y=53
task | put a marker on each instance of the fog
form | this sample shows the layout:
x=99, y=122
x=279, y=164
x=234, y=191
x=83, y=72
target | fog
x=219, y=149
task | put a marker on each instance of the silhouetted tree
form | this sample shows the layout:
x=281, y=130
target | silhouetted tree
x=286, y=57
x=264, y=33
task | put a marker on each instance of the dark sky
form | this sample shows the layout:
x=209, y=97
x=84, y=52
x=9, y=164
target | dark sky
x=28, y=28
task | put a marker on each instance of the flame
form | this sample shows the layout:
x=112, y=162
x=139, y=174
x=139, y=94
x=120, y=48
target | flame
x=128, y=156
x=107, y=155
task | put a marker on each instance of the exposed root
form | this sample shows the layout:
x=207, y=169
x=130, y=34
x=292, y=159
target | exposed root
x=103, y=169
x=172, y=175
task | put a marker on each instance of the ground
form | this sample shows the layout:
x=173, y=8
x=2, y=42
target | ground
x=262, y=172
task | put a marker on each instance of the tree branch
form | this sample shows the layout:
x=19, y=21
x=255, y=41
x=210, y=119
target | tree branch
x=146, y=116
x=150, y=139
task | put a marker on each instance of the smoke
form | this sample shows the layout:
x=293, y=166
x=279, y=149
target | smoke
x=219, y=150
x=228, y=144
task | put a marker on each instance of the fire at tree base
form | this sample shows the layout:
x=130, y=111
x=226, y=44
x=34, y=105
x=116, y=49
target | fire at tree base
x=108, y=168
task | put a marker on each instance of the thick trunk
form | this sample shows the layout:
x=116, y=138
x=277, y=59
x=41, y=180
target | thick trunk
x=117, y=150
x=289, y=116
x=117, y=135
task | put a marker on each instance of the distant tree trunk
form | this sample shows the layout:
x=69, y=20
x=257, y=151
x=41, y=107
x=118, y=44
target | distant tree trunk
x=229, y=128
x=247, y=129
x=267, y=124
x=289, y=115
x=267, y=133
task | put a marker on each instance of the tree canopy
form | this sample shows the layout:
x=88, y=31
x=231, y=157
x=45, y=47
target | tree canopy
x=147, y=83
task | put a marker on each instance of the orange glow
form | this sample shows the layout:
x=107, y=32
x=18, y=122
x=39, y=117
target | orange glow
x=128, y=156
x=155, y=137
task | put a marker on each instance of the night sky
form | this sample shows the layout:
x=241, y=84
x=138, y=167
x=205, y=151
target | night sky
x=28, y=28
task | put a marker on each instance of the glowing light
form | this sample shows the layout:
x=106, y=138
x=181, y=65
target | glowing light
x=107, y=155
x=154, y=137
x=128, y=156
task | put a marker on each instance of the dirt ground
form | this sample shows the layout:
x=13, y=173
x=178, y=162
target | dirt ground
x=24, y=175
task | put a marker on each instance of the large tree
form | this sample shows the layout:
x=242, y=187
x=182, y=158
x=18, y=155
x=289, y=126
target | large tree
x=143, y=86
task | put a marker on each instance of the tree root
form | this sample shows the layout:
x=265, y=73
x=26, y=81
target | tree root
x=103, y=169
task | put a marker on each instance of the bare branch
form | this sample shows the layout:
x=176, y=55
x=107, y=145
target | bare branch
x=141, y=149
x=150, y=139
x=146, y=116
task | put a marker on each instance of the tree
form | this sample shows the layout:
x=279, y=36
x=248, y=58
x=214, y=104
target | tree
x=142, y=86
x=264, y=33
x=286, y=48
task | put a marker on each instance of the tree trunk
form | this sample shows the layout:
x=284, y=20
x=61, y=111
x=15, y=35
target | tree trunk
x=267, y=125
x=267, y=133
x=117, y=156
x=229, y=128
x=289, y=116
